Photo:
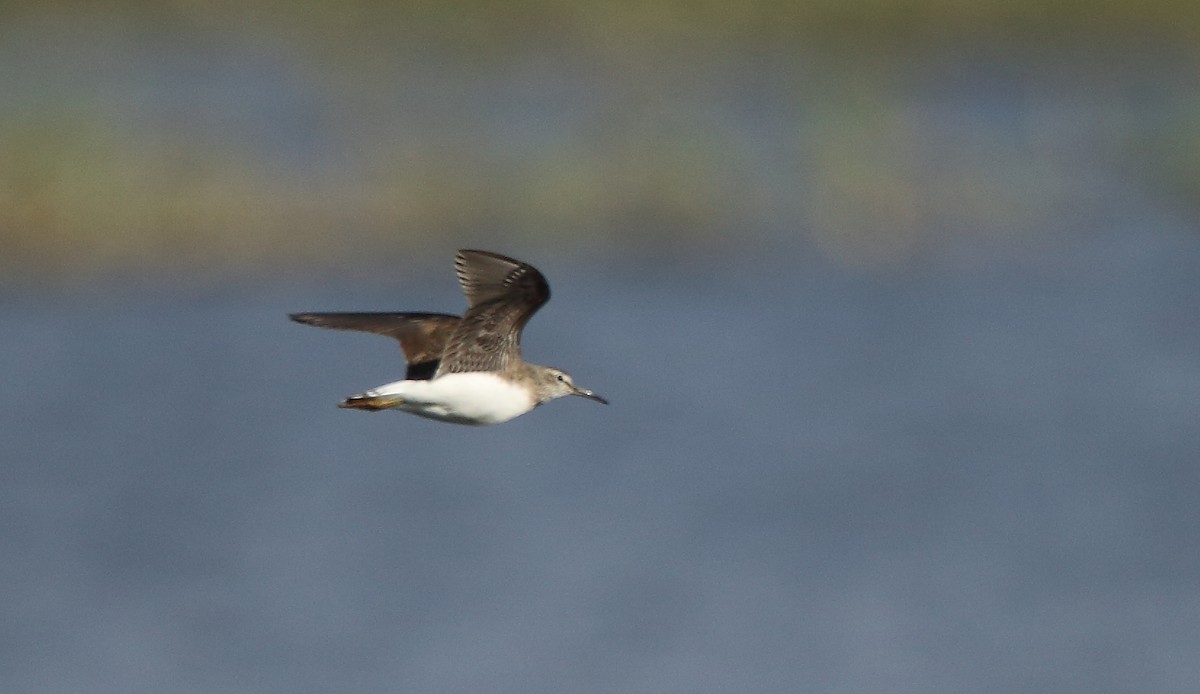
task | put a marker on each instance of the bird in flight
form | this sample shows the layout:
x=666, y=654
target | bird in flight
x=468, y=369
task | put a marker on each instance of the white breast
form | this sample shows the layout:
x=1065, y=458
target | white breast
x=464, y=398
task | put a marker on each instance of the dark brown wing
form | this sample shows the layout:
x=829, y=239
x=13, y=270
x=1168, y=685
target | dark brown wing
x=502, y=294
x=422, y=336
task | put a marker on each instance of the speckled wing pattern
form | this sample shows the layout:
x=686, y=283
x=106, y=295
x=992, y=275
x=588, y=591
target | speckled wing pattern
x=502, y=294
x=422, y=336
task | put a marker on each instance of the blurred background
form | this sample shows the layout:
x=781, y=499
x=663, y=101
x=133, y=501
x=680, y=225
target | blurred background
x=895, y=302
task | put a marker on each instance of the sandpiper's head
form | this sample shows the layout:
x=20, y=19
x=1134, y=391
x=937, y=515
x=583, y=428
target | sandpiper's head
x=555, y=383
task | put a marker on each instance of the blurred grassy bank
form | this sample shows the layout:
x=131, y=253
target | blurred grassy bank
x=210, y=137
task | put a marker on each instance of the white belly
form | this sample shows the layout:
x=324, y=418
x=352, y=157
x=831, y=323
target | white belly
x=466, y=398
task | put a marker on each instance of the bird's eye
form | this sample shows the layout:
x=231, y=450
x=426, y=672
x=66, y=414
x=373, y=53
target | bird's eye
x=560, y=377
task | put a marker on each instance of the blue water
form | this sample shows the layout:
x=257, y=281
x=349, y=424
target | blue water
x=960, y=476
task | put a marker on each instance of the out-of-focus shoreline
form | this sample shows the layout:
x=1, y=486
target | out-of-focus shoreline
x=215, y=138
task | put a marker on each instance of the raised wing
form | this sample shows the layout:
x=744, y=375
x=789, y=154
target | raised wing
x=422, y=336
x=502, y=294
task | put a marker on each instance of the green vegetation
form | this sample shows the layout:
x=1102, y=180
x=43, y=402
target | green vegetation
x=223, y=135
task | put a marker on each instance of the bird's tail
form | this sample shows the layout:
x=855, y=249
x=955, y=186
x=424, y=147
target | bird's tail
x=370, y=402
